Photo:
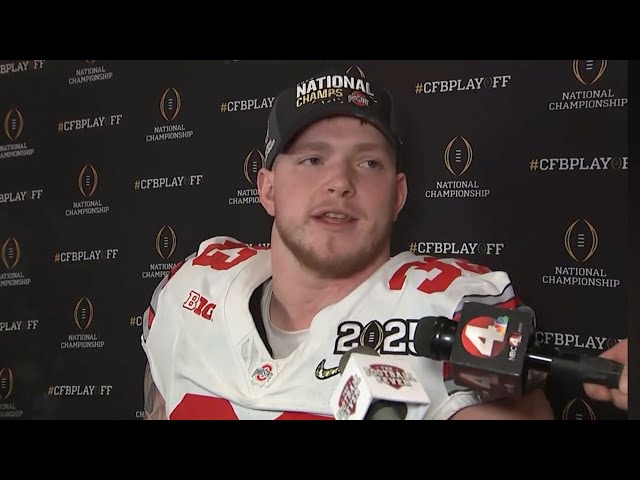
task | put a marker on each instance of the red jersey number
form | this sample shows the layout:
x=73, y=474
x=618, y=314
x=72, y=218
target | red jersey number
x=439, y=275
x=221, y=261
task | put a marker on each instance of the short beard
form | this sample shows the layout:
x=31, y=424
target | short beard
x=334, y=266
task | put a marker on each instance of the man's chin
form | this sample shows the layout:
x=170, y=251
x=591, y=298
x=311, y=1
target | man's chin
x=333, y=256
x=335, y=266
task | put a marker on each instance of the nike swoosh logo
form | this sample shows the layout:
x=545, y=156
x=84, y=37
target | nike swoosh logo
x=324, y=373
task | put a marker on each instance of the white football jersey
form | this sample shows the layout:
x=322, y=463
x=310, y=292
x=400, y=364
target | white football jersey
x=209, y=360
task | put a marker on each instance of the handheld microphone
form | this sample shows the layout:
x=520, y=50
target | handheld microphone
x=373, y=388
x=494, y=349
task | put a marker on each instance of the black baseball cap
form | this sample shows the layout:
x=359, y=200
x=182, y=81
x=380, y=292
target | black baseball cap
x=325, y=95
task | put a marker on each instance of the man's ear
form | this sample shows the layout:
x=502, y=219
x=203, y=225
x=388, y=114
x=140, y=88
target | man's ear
x=401, y=194
x=266, y=190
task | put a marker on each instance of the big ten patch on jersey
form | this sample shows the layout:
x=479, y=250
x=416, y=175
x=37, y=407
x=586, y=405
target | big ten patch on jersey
x=199, y=305
x=215, y=255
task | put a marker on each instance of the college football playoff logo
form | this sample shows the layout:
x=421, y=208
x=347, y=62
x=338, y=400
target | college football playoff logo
x=458, y=156
x=88, y=180
x=13, y=124
x=611, y=342
x=578, y=409
x=581, y=240
x=170, y=104
x=10, y=253
x=83, y=313
x=589, y=72
x=166, y=242
x=6, y=383
x=372, y=335
x=355, y=70
x=253, y=162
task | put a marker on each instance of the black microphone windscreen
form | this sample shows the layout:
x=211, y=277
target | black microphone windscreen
x=435, y=337
x=424, y=337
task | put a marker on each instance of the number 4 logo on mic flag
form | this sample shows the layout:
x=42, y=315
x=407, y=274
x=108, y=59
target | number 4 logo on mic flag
x=484, y=336
x=491, y=347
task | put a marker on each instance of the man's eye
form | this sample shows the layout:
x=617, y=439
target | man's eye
x=371, y=164
x=311, y=161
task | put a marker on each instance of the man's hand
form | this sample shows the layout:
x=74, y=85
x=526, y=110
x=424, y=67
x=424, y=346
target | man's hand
x=619, y=396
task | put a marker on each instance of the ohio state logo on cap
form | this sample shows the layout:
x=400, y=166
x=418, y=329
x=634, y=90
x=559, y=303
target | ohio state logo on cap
x=359, y=98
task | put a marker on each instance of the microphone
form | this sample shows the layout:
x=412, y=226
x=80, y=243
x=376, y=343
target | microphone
x=373, y=388
x=494, y=349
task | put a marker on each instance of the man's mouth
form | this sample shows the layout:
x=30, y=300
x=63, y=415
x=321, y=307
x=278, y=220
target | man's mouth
x=335, y=217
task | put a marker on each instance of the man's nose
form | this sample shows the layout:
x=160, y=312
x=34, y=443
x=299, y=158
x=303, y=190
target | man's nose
x=341, y=181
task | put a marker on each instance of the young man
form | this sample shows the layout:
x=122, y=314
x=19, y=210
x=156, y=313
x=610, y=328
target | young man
x=246, y=333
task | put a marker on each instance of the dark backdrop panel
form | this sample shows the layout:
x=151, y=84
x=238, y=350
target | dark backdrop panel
x=111, y=172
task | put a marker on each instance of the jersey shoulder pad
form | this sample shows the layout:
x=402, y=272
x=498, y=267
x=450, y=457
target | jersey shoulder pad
x=430, y=274
x=457, y=278
x=220, y=253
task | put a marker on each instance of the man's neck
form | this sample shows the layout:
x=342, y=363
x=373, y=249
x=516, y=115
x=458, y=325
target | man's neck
x=299, y=294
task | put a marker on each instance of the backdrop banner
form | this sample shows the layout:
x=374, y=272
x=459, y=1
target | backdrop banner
x=112, y=172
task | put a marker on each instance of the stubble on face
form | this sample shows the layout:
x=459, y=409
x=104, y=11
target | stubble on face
x=325, y=256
